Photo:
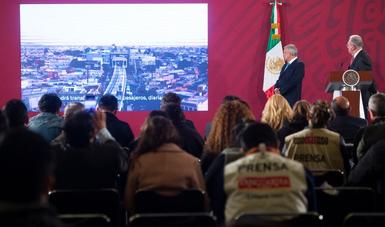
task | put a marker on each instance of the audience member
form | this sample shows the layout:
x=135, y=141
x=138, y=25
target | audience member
x=298, y=121
x=160, y=164
x=367, y=136
x=120, y=130
x=317, y=147
x=16, y=113
x=26, y=167
x=227, y=116
x=227, y=98
x=69, y=110
x=85, y=162
x=370, y=171
x=347, y=126
x=171, y=97
x=47, y=123
x=190, y=139
x=277, y=111
x=263, y=181
x=214, y=175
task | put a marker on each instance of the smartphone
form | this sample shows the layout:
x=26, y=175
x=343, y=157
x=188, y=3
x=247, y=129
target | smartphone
x=90, y=103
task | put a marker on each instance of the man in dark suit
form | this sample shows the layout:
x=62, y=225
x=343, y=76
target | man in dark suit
x=361, y=62
x=120, y=130
x=347, y=126
x=289, y=83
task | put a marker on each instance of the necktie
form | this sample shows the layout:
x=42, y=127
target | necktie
x=351, y=61
x=287, y=65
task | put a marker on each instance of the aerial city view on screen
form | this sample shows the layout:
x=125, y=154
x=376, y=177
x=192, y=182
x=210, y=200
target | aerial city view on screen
x=132, y=51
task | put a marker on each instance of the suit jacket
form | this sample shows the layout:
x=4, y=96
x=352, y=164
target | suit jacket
x=290, y=81
x=347, y=126
x=120, y=130
x=362, y=62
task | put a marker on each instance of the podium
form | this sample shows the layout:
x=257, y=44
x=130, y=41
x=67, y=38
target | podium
x=337, y=87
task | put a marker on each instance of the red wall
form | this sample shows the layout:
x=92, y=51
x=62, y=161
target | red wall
x=238, y=31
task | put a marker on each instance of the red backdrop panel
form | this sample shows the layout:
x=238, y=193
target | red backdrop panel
x=238, y=32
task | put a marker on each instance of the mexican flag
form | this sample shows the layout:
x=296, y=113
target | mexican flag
x=274, y=54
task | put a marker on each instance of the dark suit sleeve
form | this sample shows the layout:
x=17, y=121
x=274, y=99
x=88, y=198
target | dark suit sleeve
x=294, y=79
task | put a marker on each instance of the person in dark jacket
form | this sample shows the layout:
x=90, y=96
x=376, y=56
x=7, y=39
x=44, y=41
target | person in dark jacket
x=26, y=174
x=347, y=126
x=369, y=135
x=370, y=171
x=190, y=139
x=171, y=97
x=297, y=122
x=92, y=159
x=120, y=130
x=16, y=113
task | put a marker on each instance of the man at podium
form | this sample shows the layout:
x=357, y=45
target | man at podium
x=361, y=62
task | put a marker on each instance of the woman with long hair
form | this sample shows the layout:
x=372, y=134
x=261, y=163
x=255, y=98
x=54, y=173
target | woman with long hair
x=277, y=111
x=220, y=137
x=160, y=164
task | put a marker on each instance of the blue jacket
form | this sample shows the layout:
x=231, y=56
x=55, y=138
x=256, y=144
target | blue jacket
x=48, y=125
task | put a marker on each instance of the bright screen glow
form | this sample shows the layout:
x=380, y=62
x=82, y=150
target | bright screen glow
x=137, y=52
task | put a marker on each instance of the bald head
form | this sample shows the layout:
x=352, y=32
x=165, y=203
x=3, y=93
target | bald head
x=341, y=106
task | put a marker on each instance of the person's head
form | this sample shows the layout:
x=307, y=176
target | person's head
x=50, y=103
x=79, y=129
x=174, y=112
x=277, y=110
x=72, y=108
x=227, y=116
x=341, y=106
x=26, y=167
x=257, y=133
x=289, y=52
x=108, y=103
x=355, y=43
x=320, y=114
x=158, y=131
x=377, y=105
x=300, y=110
x=171, y=97
x=16, y=113
x=229, y=98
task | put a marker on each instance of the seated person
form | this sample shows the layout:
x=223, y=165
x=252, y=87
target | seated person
x=297, y=121
x=92, y=158
x=347, y=126
x=47, y=123
x=26, y=175
x=263, y=181
x=160, y=164
x=171, y=97
x=316, y=147
x=190, y=139
x=370, y=171
x=120, y=130
x=16, y=113
x=371, y=134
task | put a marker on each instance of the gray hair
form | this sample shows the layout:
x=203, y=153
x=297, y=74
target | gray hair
x=377, y=104
x=292, y=49
x=357, y=41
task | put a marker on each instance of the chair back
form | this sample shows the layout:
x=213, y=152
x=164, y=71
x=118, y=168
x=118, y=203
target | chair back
x=86, y=220
x=335, y=203
x=148, y=201
x=365, y=219
x=101, y=201
x=278, y=220
x=173, y=220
